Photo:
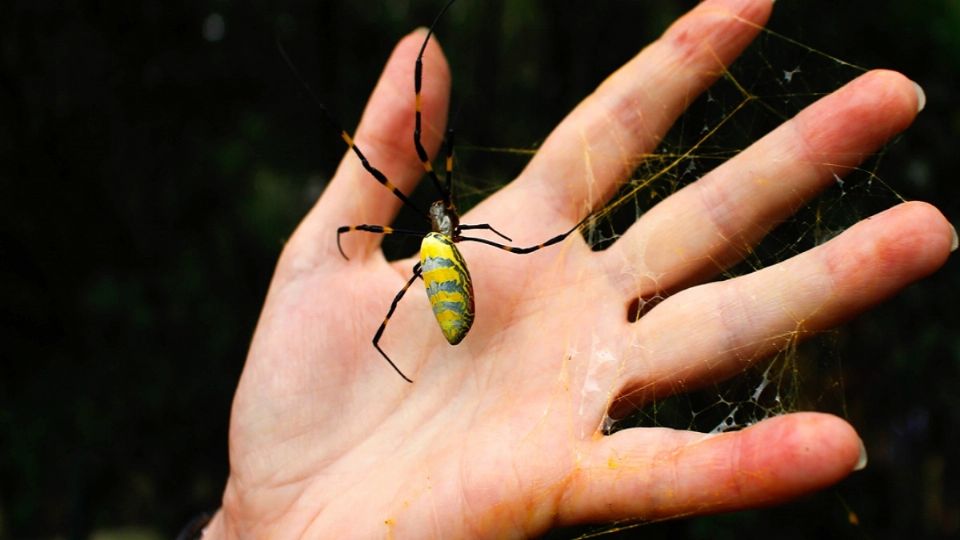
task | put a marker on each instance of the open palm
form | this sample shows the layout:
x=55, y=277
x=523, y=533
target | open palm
x=501, y=435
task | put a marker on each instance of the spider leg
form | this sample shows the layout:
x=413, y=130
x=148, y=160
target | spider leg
x=524, y=250
x=379, y=176
x=449, y=167
x=421, y=151
x=486, y=227
x=393, y=307
x=331, y=121
x=376, y=229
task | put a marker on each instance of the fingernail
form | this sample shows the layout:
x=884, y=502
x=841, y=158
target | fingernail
x=862, y=460
x=954, y=242
x=921, y=97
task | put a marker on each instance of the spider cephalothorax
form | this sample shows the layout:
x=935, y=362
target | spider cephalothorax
x=444, y=219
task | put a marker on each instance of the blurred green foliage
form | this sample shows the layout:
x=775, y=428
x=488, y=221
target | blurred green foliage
x=155, y=155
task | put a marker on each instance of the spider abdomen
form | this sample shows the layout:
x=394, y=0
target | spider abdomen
x=448, y=284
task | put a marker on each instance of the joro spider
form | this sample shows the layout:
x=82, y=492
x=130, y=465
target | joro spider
x=441, y=267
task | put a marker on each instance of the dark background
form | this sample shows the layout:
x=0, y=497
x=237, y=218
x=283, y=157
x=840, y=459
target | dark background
x=152, y=166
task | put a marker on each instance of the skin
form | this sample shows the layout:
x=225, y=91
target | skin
x=499, y=436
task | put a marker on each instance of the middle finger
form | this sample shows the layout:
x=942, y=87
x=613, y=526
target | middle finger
x=601, y=141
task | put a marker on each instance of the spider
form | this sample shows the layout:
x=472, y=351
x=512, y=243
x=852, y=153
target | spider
x=441, y=267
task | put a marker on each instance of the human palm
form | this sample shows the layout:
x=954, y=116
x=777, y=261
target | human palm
x=502, y=435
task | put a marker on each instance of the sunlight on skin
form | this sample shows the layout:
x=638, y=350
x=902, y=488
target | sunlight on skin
x=499, y=436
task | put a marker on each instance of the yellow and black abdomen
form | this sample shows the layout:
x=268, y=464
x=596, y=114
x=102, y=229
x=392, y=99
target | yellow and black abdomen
x=448, y=285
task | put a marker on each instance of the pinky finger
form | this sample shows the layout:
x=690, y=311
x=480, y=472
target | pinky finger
x=656, y=474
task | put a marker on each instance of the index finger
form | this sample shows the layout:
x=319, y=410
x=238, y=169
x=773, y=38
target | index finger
x=354, y=195
x=601, y=141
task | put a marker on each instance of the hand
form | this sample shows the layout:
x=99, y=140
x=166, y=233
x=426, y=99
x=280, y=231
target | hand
x=500, y=435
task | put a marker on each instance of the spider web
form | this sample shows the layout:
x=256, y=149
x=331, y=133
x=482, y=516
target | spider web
x=771, y=82
x=768, y=85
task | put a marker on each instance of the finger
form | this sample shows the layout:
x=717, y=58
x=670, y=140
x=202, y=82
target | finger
x=385, y=137
x=598, y=144
x=654, y=474
x=743, y=319
x=713, y=222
